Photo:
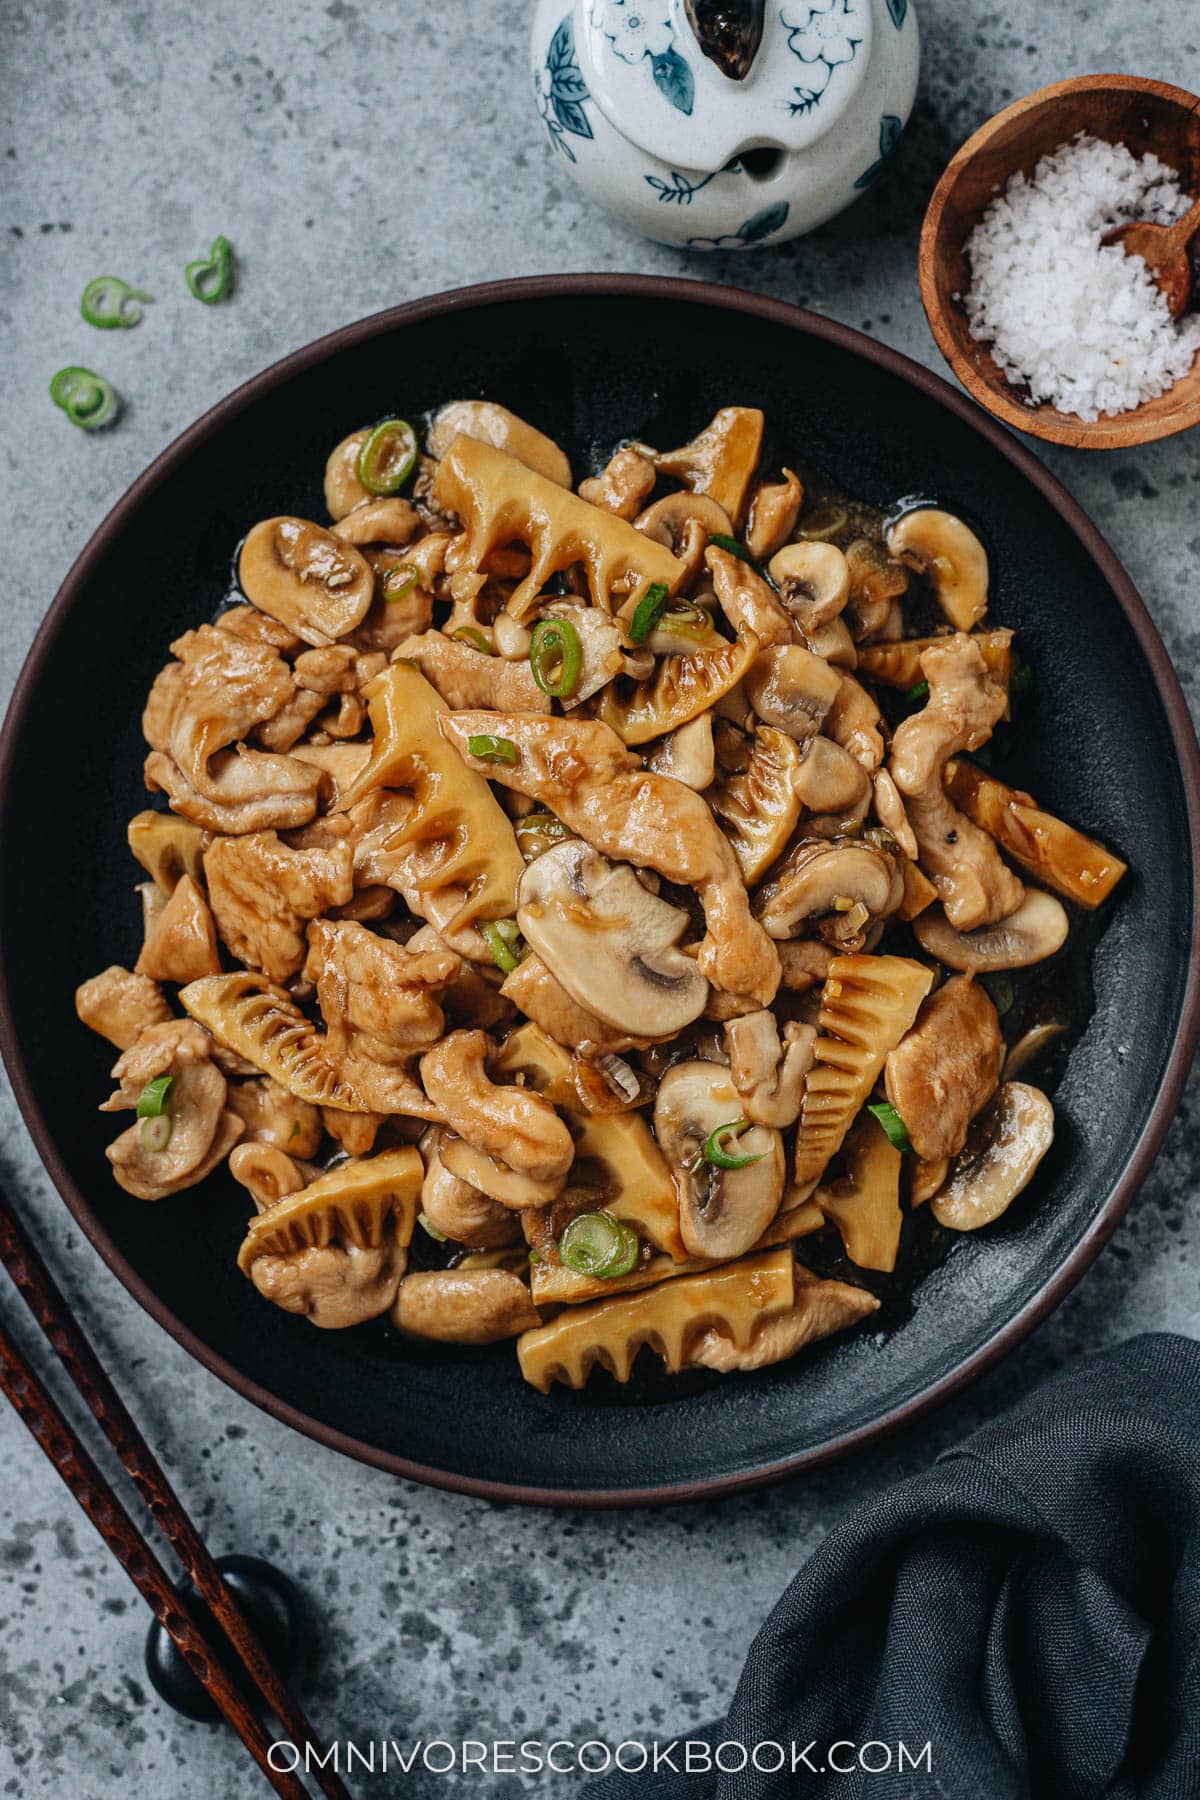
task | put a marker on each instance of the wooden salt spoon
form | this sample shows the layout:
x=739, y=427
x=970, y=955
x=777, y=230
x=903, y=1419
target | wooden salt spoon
x=1164, y=250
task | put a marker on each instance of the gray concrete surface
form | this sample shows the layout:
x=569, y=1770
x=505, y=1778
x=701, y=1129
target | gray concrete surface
x=357, y=155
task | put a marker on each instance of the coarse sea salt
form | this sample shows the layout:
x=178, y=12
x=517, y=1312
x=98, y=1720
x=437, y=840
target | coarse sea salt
x=1074, y=321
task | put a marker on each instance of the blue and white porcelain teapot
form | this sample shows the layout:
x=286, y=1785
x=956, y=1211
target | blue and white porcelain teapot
x=722, y=124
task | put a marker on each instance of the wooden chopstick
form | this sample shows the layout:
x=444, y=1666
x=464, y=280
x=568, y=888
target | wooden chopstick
x=58, y=1439
x=45, y=1301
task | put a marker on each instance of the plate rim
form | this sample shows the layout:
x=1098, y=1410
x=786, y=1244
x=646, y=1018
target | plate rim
x=932, y=386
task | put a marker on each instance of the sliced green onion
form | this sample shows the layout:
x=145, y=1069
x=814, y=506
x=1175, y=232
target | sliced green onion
x=556, y=657
x=537, y=831
x=1002, y=991
x=823, y=522
x=892, y=1123
x=720, y=1158
x=210, y=278
x=109, y=303
x=492, y=749
x=88, y=400
x=439, y=1237
x=504, y=940
x=597, y=1244
x=1021, y=679
x=648, y=611
x=399, y=580
x=688, y=619
x=152, y=1101
x=387, y=457
x=471, y=634
x=724, y=542
x=156, y=1133
x=918, y=691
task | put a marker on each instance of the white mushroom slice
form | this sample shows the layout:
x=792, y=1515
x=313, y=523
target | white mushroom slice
x=685, y=523
x=343, y=490
x=268, y=1174
x=813, y=581
x=491, y=424
x=610, y=942
x=768, y=1072
x=952, y=558
x=464, y=1306
x=844, y=885
x=722, y=1212
x=791, y=688
x=687, y=754
x=511, y=638
x=829, y=780
x=306, y=578
x=1036, y=930
x=1005, y=1146
x=877, y=581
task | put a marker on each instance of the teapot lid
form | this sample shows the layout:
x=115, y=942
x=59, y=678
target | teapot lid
x=697, y=82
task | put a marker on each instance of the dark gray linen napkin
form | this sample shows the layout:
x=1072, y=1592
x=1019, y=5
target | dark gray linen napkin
x=1029, y=1607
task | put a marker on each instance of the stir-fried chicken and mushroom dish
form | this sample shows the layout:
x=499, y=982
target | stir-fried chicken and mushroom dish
x=575, y=912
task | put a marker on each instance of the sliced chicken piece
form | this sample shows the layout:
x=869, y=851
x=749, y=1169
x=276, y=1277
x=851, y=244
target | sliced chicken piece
x=975, y=885
x=514, y=1124
x=120, y=1004
x=459, y=1211
x=584, y=774
x=332, y=1285
x=542, y=997
x=746, y=600
x=181, y=945
x=153, y=1159
x=465, y=677
x=624, y=486
x=378, y=999
x=220, y=688
x=820, y=1309
x=262, y=893
x=946, y=1067
x=464, y=1306
x=273, y=1116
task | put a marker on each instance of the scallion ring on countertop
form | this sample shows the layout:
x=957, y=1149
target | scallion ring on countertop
x=152, y=1101
x=733, y=545
x=893, y=1124
x=720, y=1158
x=110, y=304
x=503, y=938
x=471, y=634
x=399, y=580
x=597, y=1244
x=556, y=657
x=210, y=278
x=88, y=400
x=155, y=1133
x=648, y=611
x=492, y=749
x=387, y=457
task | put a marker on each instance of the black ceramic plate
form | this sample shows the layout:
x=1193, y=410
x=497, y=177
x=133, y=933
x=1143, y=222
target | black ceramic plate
x=591, y=360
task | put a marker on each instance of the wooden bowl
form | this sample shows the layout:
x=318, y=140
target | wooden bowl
x=1146, y=116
